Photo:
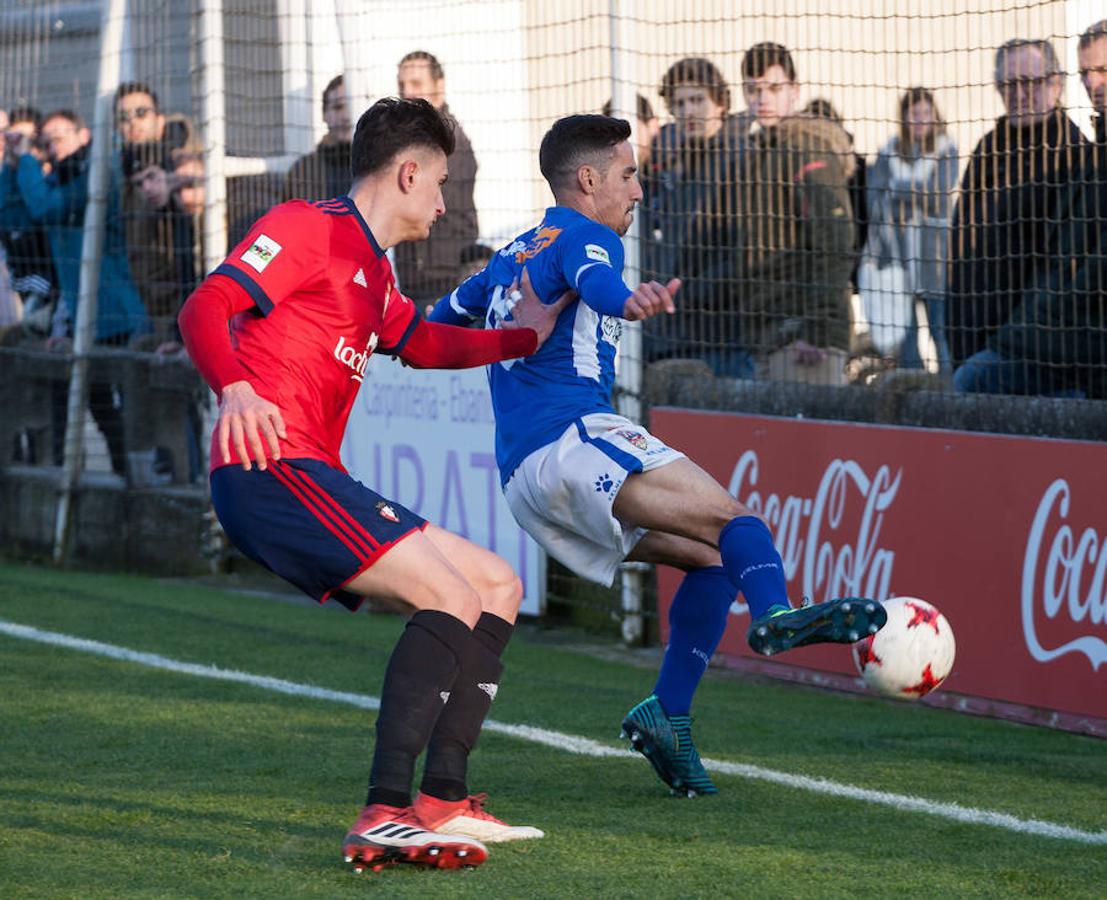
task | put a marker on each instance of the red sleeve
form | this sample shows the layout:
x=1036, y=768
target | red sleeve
x=432, y=345
x=283, y=252
x=203, y=322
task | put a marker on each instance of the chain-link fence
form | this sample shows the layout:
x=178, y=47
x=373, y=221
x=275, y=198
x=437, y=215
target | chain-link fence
x=900, y=194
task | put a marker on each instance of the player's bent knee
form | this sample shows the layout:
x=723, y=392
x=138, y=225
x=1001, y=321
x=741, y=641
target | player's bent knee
x=504, y=593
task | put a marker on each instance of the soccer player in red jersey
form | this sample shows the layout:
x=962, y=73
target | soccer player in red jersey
x=309, y=296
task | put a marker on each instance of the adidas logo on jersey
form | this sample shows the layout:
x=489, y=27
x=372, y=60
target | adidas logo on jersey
x=359, y=278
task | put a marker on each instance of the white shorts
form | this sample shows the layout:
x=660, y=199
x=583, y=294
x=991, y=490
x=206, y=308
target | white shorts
x=562, y=494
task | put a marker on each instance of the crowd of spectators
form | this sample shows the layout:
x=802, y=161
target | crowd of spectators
x=797, y=254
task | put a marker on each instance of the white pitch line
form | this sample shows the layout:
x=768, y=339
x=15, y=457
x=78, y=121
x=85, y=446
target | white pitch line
x=572, y=743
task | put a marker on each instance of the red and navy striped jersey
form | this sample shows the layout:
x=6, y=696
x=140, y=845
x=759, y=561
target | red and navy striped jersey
x=325, y=300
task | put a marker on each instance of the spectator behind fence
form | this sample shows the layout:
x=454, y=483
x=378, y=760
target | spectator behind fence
x=325, y=172
x=172, y=183
x=904, y=263
x=29, y=261
x=689, y=218
x=58, y=201
x=822, y=108
x=148, y=136
x=429, y=269
x=646, y=130
x=798, y=229
x=1055, y=342
x=178, y=191
x=1009, y=196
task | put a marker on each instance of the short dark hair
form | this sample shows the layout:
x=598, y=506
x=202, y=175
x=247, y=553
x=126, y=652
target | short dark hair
x=762, y=57
x=643, y=108
x=69, y=115
x=336, y=82
x=436, y=70
x=1091, y=34
x=697, y=72
x=391, y=125
x=135, y=87
x=821, y=108
x=576, y=140
x=26, y=114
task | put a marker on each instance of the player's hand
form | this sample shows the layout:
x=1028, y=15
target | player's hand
x=650, y=299
x=528, y=311
x=244, y=420
x=805, y=354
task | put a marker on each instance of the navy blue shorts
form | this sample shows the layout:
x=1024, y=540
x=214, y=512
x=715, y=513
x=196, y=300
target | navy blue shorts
x=310, y=523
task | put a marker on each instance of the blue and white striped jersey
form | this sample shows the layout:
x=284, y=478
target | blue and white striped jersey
x=536, y=398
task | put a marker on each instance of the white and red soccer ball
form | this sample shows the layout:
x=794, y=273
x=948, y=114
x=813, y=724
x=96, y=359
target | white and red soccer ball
x=911, y=655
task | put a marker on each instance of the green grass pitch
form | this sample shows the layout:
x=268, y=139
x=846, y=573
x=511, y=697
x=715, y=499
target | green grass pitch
x=120, y=780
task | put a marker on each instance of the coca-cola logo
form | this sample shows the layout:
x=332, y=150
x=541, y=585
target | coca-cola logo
x=1071, y=578
x=814, y=534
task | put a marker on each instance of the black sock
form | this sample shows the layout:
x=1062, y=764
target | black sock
x=417, y=683
x=457, y=729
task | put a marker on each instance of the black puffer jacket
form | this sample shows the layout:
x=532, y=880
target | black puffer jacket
x=1011, y=195
x=1061, y=321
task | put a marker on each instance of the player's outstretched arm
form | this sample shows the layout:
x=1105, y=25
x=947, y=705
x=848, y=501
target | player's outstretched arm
x=436, y=346
x=528, y=311
x=649, y=299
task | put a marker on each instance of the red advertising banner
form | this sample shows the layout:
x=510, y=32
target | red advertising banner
x=1007, y=536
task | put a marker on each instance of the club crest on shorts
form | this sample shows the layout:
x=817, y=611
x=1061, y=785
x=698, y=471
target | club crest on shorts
x=387, y=512
x=634, y=437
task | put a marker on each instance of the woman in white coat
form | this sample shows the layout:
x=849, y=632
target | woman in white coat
x=903, y=269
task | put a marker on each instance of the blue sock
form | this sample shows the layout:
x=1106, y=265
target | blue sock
x=753, y=564
x=697, y=620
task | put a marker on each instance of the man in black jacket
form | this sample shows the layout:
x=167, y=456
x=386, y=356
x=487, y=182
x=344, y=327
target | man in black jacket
x=430, y=269
x=1055, y=342
x=325, y=172
x=1010, y=194
x=690, y=217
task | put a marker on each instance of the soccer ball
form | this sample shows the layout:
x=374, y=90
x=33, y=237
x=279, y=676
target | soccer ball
x=911, y=655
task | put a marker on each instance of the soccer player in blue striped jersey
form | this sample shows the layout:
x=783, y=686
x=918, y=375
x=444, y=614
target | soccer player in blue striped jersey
x=595, y=489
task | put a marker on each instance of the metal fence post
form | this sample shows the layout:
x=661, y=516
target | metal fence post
x=629, y=372
x=113, y=15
